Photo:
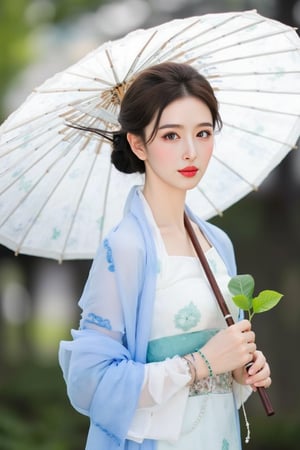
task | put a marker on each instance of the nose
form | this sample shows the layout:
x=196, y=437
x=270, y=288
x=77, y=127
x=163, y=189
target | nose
x=190, y=150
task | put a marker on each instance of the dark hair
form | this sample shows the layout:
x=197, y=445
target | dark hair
x=148, y=95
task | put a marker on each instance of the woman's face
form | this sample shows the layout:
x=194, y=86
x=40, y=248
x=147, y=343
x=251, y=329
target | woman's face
x=179, y=154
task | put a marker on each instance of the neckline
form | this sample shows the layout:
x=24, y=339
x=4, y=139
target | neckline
x=207, y=252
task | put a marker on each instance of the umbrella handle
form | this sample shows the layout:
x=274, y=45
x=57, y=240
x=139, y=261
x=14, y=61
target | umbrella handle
x=263, y=396
x=222, y=304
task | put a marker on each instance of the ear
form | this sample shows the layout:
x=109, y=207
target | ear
x=137, y=146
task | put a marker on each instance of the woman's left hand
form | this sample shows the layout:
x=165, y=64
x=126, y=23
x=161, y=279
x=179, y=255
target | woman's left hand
x=258, y=374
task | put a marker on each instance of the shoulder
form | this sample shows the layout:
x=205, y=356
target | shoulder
x=127, y=234
x=224, y=246
x=220, y=240
x=212, y=232
x=220, y=235
x=125, y=244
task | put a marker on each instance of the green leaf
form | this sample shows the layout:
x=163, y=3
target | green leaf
x=242, y=302
x=242, y=285
x=266, y=300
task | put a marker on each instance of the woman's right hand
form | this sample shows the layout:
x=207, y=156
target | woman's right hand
x=228, y=350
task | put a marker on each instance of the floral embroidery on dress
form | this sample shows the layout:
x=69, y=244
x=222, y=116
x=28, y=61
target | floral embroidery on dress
x=225, y=444
x=98, y=320
x=109, y=258
x=187, y=317
x=217, y=384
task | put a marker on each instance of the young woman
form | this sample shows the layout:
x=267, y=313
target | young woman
x=153, y=363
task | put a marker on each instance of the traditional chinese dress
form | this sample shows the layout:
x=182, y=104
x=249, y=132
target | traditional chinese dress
x=115, y=367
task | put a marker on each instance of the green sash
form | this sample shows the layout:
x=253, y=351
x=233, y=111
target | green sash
x=180, y=344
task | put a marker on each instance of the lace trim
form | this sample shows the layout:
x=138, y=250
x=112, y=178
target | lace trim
x=217, y=384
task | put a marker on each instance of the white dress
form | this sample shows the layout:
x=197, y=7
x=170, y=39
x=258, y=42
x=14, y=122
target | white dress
x=185, y=312
x=184, y=304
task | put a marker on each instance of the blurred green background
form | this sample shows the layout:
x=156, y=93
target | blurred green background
x=38, y=297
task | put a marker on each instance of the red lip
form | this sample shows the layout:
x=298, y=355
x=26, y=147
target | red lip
x=189, y=171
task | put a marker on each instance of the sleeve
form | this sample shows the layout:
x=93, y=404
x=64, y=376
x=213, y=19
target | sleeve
x=241, y=393
x=162, y=401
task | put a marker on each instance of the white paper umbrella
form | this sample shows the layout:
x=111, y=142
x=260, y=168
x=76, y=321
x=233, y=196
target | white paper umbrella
x=59, y=193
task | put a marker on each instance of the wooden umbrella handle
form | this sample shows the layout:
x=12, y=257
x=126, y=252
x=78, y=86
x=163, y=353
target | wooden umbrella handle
x=222, y=304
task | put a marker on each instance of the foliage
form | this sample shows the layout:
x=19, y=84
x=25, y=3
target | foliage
x=242, y=288
x=35, y=413
x=65, y=9
x=17, y=22
x=15, y=51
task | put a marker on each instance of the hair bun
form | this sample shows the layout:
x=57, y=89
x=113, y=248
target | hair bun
x=123, y=158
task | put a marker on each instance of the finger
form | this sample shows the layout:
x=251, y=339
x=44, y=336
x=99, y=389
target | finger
x=259, y=361
x=244, y=325
x=260, y=376
x=251, y=348
x=249, y=336
x=266, y=383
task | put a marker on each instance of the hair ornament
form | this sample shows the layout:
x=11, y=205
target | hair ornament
x=104, y=134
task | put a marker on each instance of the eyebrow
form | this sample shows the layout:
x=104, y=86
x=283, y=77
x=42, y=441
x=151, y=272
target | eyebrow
x=175, y=125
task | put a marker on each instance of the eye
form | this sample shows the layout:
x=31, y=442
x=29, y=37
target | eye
x=204, y=133
x=171, y=136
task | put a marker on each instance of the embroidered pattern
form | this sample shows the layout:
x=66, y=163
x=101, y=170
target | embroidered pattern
x=187, y=317
x=217, y=384
x=55, y=233
x=225, y=444
x=98, y=320
x=109, y=258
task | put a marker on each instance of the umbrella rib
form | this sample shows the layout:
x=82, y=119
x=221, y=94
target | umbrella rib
x=230, y=169
x=92, y=108
x=42, y=115
x=16, y=138
x=222, y=36
x=290, y=145
x=217, y=210
x=78, y=202
x=246, y=74
x=30, y=120
x=112, y=67
x=45, y=203
x=105, y=200
x=259, y=91
x=168, y=41
x=256, y=108
x=64, y=90
x=138, y=56
x=240, y=58
x=33, y=187
x=240, y=43
x=170, y=52
x=8, y=169
x=87, y=77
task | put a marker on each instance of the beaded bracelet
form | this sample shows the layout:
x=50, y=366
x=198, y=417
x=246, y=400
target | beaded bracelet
x=210, y=371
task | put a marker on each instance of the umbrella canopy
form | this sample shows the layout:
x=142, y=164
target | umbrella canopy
x=59, y=193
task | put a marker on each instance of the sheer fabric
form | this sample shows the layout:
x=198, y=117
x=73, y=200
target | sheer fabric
x=104, y=365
